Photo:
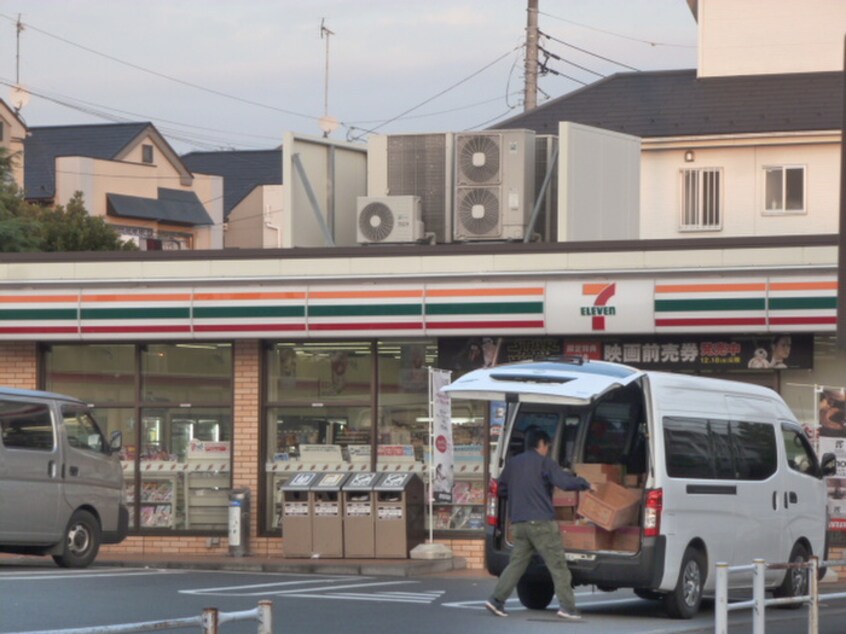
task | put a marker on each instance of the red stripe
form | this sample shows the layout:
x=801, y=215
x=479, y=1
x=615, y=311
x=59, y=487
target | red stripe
x=367, y=326
x=796, y=321
x=249, y=328
x=727, y=321
x=138, y=329
x=30, y=330
x=456, y=325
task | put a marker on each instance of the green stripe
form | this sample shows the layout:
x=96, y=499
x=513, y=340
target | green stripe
x=802, y=303
x=365, y=310
x=485, y=308
x=694, y=305
x=136, y=313
x=38, y=313
x=223, y=312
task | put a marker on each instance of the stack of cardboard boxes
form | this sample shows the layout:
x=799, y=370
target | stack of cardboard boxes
x=605, y=518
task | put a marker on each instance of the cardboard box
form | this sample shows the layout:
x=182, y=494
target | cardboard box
x=610, y=506
x=565, y=513
x=599, y=473
x=565, y=498
x=626, y=539
x=631, y=480
x=584, y=536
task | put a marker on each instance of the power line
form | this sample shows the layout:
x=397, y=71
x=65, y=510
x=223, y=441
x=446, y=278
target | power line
x=587, y=52
x=625, y=37
x=549, y=54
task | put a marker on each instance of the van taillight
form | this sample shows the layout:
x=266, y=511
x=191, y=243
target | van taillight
x=493, y=501
x=652, y=513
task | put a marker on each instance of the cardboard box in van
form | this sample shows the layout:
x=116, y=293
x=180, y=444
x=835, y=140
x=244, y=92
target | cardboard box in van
x=584, y=536
x=597, y=473
x=610, y=505
x=626, y=539
x=561, y=497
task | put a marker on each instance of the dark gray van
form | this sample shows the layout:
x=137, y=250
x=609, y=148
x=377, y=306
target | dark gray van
x=61, y=485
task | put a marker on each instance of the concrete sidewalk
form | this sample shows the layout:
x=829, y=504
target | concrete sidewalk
x=380, y=567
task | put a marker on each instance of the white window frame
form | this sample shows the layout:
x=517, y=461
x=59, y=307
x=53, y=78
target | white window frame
x=769, y=208
x=697, y=210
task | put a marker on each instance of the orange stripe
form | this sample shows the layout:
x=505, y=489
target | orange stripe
x=480, y=292
x=364, y=294
x=37, y=299
x=151, y=297
x=594, y=289
x=709, y=288
x=803, y=286
x=248, y=296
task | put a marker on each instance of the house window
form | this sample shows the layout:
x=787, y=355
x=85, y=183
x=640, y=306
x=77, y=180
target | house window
x=701, y=199
x=146, y=153
x=784, y=189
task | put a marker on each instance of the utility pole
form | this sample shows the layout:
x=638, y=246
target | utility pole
x=841, y=243
x=530, y=96
x=327, y=124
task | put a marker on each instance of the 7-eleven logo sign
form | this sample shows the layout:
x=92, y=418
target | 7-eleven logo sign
x=600, y=309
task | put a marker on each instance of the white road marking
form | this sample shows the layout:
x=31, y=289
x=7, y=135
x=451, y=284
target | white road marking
x=95, y=574
x=277, y=589
x=275, y=584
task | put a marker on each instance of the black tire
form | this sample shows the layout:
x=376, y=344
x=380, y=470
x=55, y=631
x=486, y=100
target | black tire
x=81, y=541
x=607, y=588
x=683, y=602
x=795, y=582
x=649, y=595
x=535, y=594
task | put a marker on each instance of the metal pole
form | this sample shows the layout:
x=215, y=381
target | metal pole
x=813, y=590
x=841, y=243
x=759, y=619
x=265, y=617
x=431, y=456
x=530, y=96
x=721, y=599
x=210, y=618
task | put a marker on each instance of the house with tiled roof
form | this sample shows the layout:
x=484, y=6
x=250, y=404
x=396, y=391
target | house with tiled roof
x=252, y=194
x=130, y=176
x=748, y=144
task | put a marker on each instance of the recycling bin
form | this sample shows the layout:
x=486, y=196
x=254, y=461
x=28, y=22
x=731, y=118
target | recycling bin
x=239, y=522
x=399, y=524
x=297, y=514
x=359, y=515
x=327, y=528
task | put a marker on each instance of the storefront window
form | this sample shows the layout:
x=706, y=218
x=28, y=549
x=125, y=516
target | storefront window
x=319, y=412
x=177, y=462
x=187, y=373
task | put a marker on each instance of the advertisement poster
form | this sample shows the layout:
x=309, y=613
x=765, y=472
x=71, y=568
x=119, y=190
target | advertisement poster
x=444, y=465
x=464, y=355
x=831, y=411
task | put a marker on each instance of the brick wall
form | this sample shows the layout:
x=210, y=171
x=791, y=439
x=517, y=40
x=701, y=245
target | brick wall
x=19, y=365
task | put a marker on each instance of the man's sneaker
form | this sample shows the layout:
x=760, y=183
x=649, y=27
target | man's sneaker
x=496, y=607
x=568, y=615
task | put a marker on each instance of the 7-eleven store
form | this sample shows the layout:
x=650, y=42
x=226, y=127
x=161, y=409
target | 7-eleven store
x=238, y=370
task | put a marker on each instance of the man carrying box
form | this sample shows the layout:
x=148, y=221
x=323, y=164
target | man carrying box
x=529, y=480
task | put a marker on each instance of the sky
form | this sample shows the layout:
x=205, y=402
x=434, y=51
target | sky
x=221, y=74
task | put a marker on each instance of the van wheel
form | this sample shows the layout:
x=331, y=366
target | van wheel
x=82, y=541
x=535, y=594
x=795, y=582
x=649, y=595
x=683, y=602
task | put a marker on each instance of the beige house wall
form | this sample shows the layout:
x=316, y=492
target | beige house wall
x=742, y=162
x=759, y=37
x=14, y=133
x=256, y=222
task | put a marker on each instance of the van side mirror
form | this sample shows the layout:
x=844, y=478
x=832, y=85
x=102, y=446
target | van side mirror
x=828, y=465
x=116, y=441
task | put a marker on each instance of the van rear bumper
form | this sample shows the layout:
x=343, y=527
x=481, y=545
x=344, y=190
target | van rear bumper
x=644, y=569
x=119, y=534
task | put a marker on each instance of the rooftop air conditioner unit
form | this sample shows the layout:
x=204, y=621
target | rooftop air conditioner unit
x=495, y=184
x=389, y=219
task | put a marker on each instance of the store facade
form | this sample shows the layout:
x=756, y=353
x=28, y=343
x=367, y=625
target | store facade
x=240, y=380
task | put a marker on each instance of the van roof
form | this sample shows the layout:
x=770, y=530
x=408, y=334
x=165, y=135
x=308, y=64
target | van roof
x=574, y=381
x=13, y=391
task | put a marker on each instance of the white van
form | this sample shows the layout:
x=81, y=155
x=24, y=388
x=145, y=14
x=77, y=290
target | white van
x=61, y=485
x=722, y=469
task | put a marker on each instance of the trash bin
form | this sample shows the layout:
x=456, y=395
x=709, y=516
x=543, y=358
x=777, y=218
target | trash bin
x=297, y=514
x=239, y=522
x=359, y=514
x=399, y=524
x=327, y=527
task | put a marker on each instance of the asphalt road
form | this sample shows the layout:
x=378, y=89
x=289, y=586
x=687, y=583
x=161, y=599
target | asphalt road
x=42, y=597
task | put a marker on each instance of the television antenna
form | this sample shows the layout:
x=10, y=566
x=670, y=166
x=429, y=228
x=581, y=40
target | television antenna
x=20, y=95
x=327, y=124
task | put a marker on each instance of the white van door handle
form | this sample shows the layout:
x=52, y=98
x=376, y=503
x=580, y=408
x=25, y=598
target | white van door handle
x=51, y=469
x=775, y=500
